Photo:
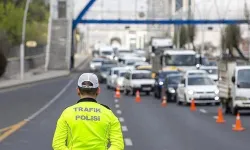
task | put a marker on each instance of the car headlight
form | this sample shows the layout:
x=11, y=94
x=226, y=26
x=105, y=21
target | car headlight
x=241, y=98
x=171, y=90
x=92, y=65
x=216, y=91
x=190, y=92
x=161, y=83
x=119, y=82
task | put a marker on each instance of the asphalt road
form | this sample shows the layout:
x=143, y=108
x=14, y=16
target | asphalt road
x=146, y=125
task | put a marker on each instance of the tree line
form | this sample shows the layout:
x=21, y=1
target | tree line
x=11, y=19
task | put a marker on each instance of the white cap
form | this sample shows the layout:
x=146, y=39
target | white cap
x=89, y=77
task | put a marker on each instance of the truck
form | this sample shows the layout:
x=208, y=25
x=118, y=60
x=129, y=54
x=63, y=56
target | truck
x=157, y=47
x=234, y=85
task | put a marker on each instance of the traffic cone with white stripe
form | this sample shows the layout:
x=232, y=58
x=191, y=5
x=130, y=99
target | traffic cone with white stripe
x=220, y=118
x=164, y=101
x=117, y=92
x=138, y=97
x=192, y=106
x=238, y=125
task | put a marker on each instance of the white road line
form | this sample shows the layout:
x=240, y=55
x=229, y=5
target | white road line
x=215, y=117
x=128, y=142
x=50, y=102
x=124, y=128
x=116, y=100
x=117, y=106
x=119, y=112
x=121, y=119
x=203, y=111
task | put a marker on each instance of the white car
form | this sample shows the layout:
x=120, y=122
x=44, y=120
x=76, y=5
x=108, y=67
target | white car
x=212, y=71
x=120, y=78
x=194, y=72
x=96, y=63
x=138, y=80
x=112, y=75
x=201, y=88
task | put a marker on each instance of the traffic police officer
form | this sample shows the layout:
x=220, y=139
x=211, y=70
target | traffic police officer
x=88, y=125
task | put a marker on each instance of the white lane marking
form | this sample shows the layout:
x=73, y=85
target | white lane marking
x=121, y=119
x=215, y=117
x=50, y=102
x=203, y=111
x=116, y=100
x=117, y=106
x=128, y=142
x=119, y=112
x=124, y=128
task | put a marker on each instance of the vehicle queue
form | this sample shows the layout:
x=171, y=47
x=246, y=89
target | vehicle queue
x=131, y=72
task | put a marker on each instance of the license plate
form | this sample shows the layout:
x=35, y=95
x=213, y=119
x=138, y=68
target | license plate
x=205, y=96
x=146, y=89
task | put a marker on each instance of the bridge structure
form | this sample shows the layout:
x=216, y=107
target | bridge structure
x=174, y=19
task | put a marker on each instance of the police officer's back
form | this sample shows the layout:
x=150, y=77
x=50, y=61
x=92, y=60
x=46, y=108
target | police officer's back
x=88, y=125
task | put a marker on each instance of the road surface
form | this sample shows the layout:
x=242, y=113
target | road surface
x=146, y=125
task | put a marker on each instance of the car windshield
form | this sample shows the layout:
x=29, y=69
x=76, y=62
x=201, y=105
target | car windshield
x=105, y=68
x=108, y=62
x=195, y=73
x=173, y=79
x=107, y=53
x=141, y=76
x=200, y=81
x=211, y=71
x=180, y=60
x=116, y=72
x=164, y=74
x=130, y=63
x=243, y=78
x=97, y=60
x=122, y=74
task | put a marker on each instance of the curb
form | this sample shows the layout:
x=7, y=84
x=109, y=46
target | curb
x=64, y=74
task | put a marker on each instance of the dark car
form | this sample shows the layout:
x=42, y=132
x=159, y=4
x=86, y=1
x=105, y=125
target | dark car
x=170, y=86
x=103, y=72
x=159, y=81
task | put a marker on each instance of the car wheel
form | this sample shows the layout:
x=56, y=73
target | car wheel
x=134, y=92
x=147, y=93
x=126, y=92
x=108, y=87
x=155, y=95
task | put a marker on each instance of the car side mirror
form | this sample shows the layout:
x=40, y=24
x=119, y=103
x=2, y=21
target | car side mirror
x=233, y=79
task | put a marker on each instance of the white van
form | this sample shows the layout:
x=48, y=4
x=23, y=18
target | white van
x=107, y=52
x=140, y=80
x=234, y=86
x=112, y=75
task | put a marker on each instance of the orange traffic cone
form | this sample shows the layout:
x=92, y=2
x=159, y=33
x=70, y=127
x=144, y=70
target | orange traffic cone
x=192, y=106
x=220, y=118
x=138, y=97
x=238, y=125
x=117, y=92
x=164, y=101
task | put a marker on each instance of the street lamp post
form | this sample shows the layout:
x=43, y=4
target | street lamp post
x=23, y=40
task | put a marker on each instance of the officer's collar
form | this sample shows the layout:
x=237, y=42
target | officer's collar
x=87, y=100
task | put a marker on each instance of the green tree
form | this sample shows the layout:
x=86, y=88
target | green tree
x=183, y=40
x=191, y=30
x=230, y=39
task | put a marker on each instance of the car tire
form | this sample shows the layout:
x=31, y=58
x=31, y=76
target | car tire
x=126, y=92
x=155, y=95
x=147, y=93
x=108, y=87
x=134, y=92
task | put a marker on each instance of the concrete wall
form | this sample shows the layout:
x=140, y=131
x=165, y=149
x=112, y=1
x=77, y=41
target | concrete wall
x=34, y=58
